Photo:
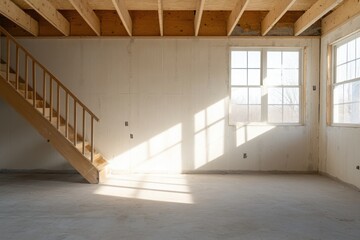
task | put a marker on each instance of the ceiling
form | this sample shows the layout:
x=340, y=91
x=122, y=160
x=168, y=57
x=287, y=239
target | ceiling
x=59, y=18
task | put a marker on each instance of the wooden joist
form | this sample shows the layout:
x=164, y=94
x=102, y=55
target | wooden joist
x=280, y=8
x=88, y=14
x=317, y=11
x=236, y=15
x=11, y=11
x=161, y=17
x=53, y=16
x=198, y=15
x=124, y=15
x=344, y=13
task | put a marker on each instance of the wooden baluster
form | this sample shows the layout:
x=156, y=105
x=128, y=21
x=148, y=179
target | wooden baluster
x=34, y=82
x=44, y=92
x=8, y=60
x=92, y=139
x=26, y=76
x=75, y=124
x=17, y=68
x=67, y=115
x=83, y=132
x=58, y=106
x=51, y=98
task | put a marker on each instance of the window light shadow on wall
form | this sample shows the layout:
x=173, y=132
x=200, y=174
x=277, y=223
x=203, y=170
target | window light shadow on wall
x=162, y=188
x=161, y=153
x=209, y=127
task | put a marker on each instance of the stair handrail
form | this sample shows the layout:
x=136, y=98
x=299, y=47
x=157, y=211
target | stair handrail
x=59, y=85
x=48, y=72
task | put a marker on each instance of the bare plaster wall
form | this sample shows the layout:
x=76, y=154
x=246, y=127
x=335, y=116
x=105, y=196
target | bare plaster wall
x=339, y=146
x=174, y=94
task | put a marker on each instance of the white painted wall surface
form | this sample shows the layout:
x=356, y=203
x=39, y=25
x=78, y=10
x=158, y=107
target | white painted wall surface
x=339, y=146
x=174, y=93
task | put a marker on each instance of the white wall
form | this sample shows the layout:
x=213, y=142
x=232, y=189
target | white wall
x=174, y=93
x=339, y=146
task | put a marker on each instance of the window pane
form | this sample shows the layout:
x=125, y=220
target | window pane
x=358, y=47
x=238, y=59
x=254, y=59
x=290, y=59
x=239, y=113
x=238, y=77
x=254, y=95
x=351, y=92
x=291, y=95
x=290, y=77
x=338, y=115
x=339, y=94
x=273, y=59
x=358, y=67
x=341, y=73
x=274, y=113
x=291, y=114
x=351, y=113
x=341, y=53
x=351, y=70
x=254, y=76
x=254, y=113
x=351, y=50
x=239, y=95
x=273, y=77
x=275, y=95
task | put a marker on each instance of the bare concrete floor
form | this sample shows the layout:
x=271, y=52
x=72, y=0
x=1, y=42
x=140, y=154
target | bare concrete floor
x=251, y=206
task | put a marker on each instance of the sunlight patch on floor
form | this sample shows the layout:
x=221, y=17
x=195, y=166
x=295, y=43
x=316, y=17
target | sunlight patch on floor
x=162, y=188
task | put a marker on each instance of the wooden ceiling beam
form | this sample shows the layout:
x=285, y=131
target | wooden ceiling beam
x=161, y=17
x=275, y=14
x=236, y=14
x=124, y=15
x=198, y=15
x=49, y=12
x=88, y=14
x=315, y=12
x=11, y=11
x=344, y=13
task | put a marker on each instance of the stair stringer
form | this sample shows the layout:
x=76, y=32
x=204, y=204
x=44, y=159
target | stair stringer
x=48, y=131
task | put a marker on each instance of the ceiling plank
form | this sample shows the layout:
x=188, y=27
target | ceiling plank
x=275, y=14
x=236, y=14
x=315, y=12
x=49, y=12
x=88, y=14
x=161, y=17
x=11, y=11
x=124, y=15
x=198, y=15
x=344, y=13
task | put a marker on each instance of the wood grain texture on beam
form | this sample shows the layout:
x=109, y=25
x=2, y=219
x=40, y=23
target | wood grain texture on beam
x=317, y=11
x=124, y=15
x=161, y=17
x=11, y=11
x=198, y=15
x=275, y=14
x=49, y=12
x=236, y=15
x=344, y=13
x=87, y=13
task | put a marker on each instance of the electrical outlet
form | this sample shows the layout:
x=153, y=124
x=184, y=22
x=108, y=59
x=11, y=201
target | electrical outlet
x=245, y=155
x=126, y=123
x=358, y=167
x=131, y=136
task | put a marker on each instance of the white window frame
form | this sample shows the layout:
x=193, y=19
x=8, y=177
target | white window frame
x=333, y=71
x=264, y=87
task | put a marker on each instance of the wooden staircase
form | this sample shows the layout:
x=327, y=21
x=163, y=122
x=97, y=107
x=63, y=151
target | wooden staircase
x=51, y=108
